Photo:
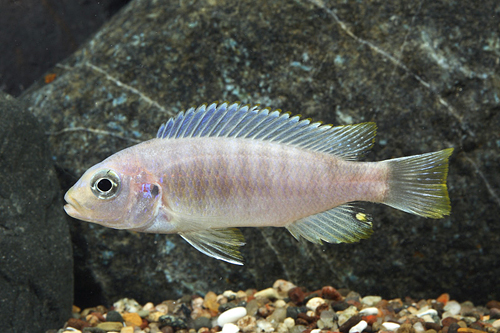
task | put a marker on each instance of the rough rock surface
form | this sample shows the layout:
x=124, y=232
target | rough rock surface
x=426, y=72
x=36, y=262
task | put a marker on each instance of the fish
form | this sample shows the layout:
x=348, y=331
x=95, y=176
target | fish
x=216, y=168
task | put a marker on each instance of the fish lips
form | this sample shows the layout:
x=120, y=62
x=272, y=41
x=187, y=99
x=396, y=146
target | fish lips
x=72, y=207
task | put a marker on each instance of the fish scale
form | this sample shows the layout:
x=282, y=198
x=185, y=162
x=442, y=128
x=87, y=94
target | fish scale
x=219, y=167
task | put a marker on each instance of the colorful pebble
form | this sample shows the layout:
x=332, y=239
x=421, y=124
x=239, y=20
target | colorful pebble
x=285, y=308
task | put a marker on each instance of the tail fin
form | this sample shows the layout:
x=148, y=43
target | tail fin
x=417, y=184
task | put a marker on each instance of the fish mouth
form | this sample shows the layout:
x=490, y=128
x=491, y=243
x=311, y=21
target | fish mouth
x=71, y=207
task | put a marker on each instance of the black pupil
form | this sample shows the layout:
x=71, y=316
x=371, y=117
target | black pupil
x=104, y=185
x=155, y=191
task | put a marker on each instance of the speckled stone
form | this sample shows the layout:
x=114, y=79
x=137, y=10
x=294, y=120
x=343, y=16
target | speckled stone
x=173, y=321
x=114, y=316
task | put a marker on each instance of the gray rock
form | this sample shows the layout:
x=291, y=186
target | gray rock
x=426, y=72
x=36, y=263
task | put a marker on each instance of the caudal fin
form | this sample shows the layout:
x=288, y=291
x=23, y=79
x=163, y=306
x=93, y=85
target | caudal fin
x=417, y=184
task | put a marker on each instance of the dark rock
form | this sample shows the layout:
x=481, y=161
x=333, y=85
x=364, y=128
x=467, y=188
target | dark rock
x=345, y=327
x=428, y=79
x=114, y=316
x=339, y=306
x=495, y=313
x=453, y=328
x=36, y=267
x=202, y=322
x=173, y=321
x=432, y=326
x=293, y=311
x=226, y=306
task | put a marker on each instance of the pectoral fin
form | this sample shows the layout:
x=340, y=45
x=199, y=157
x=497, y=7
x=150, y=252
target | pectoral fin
x=222, y=244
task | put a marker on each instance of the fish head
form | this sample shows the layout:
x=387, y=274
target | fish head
x=113, y=197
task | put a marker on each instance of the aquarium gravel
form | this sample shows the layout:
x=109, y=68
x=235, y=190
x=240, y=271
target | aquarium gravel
x=286, y=308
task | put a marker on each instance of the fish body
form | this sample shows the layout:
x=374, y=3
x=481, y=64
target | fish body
x=216, y=168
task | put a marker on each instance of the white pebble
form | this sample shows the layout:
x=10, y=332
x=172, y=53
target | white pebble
x=390, y=326
x=148, y=306
x=314, y=302
x=231, y=315
x=430, y=312
x=496, y=324
x=316, y=330
x=289, y=322
x=369, y=311
x=283, y=286
x=452, y=307
x=229, y=294
x=265, y=326
x=418, y=327
x=428, y=318
x=230, y=328
x=268, y=293
x=359, y=327
x=371, y=300
x=280, y=303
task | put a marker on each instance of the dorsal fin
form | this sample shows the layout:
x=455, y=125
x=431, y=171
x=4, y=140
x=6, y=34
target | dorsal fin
x=236, y=121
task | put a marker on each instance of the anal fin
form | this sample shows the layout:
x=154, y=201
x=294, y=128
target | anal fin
x=222, y=244
x=341, y=224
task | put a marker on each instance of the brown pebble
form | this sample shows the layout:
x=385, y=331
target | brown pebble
x=304, y=316
x=493, y=304
x=296, y=295
x=448, y=321
x=301, y=321
x=431, y=331
x=98, y=315
x=350, y=323
x=77, y=323
x=432, y=326
x=167, y=329
x=329, y=292
x=321, y=308
x=406, y=328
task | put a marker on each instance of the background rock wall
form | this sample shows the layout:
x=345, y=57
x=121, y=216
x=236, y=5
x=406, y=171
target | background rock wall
x=426, y=72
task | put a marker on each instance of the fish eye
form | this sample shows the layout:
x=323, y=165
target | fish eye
x=105, y=184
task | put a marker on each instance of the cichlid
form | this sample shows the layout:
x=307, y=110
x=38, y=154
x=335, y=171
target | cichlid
x=218, y=167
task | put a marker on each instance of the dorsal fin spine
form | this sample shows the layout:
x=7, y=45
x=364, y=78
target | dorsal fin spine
x=244, y=127
x=195, y=121
x=275, y=115
x=235, y=121
x=207, y=119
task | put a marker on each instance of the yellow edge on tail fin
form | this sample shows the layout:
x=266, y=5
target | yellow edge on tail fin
x=417, y=184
